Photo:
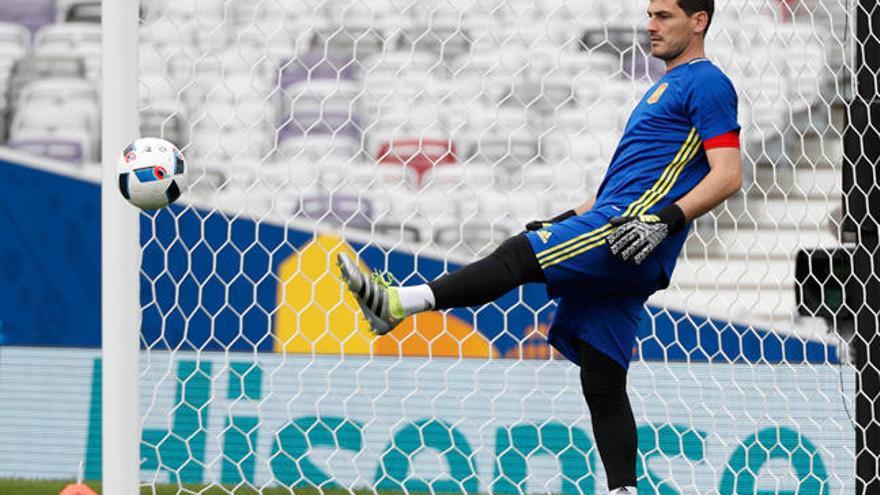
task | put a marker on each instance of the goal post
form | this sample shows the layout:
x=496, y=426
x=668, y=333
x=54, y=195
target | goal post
x=862, y=225
x=120, y=256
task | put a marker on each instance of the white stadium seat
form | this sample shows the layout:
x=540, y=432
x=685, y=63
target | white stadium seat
x=36, y=117
x=230, y=141
x=68, y=35
x=317, y=147
x=15, y=35
x=59, y=91
x=89, y=54
x=468, y=177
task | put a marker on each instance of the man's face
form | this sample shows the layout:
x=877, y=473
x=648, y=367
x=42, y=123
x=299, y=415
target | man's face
x=671, y=29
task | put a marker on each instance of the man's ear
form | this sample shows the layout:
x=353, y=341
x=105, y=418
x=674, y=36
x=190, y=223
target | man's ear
x=701, y=21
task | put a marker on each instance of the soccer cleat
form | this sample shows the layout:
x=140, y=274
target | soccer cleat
x=377, y=299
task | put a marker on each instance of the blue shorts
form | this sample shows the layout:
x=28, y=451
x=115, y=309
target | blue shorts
x=601, y=298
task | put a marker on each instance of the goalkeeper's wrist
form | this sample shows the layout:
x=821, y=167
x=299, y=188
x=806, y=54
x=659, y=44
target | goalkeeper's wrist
x=562, y=216
x=673, y=216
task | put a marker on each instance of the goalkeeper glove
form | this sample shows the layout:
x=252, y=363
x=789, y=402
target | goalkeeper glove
x=540, y=224
x=635, y=237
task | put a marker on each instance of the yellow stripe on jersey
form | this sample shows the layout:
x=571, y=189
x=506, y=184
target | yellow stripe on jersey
x=564, y=254
x=574, y=240
x=596, y=237
x=583, y=249
x=692, y=138
x=657, y=195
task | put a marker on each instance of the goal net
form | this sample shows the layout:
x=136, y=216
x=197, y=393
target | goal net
x=416, y=135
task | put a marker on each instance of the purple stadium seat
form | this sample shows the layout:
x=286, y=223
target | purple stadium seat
x=57, y=147
x=33, y=14
x=316, y=66
x=338, y=208
x=314, y=123
x=316, y=135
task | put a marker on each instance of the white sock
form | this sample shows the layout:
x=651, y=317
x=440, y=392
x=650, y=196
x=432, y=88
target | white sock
x=625, y=490
x=416, y=298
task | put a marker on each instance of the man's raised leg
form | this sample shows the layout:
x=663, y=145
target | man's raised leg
x=512, y=264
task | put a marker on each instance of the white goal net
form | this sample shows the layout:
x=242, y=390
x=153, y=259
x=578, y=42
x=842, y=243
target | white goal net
x=417, y=135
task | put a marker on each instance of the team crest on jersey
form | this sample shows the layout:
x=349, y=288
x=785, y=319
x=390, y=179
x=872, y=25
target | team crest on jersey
x=544, y=235
x=655, y=96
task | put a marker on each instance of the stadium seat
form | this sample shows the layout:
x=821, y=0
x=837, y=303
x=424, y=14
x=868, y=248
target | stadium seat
x=616, y=38
x=59, y=91
x=384, y=92
x=435, y=28
x=316, y=65
x=9, y=54
x=474, y=237
x=33, y=14
x=37, y=67
x=357, y=29
x=401, y=62
x=89, y=54
x=68, y=144
x=158, y=89
x=364, y=177
x=51, y=116
x=78, y=39
x=321, y=94
x=470, y=177
x=294, y=146
x=437, y=207
x=168, y=38
x=68, y=35
x=315, y=135
x=395, y=212
x=338, y=207
x=198, y=30
x=16, y=35
x=231, y=141
x=243, y=61
x=493, y=72
x=235, y=100
x=544, y=83
x=418, y=153
x=506, y=140
x=165, y=120
x=79, y=11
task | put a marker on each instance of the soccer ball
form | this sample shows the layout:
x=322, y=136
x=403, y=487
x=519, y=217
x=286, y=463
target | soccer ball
x=152, y=173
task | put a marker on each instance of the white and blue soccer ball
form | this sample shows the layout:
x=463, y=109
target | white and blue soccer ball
x=152, y=173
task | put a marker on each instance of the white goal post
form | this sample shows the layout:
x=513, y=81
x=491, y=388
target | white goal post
x=120, y=255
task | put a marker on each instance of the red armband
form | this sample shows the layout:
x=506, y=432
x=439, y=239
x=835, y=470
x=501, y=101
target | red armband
x=726, y=140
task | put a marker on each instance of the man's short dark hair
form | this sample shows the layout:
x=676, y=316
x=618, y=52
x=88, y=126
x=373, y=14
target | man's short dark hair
x=691, y=7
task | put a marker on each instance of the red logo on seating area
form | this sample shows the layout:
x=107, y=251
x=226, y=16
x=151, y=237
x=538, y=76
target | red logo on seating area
x=419, y=154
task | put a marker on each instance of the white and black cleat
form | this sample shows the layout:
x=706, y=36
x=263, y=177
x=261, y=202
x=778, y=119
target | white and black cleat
x=373, y=294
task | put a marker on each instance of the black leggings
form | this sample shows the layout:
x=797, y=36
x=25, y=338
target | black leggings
x=603, y=382
x=512, y=264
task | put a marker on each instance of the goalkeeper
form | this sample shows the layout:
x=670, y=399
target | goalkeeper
x=677, y=159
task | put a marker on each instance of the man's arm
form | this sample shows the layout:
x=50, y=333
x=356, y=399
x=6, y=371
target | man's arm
x=585, y=207
x=580, y=210
x=722, y=181
x=634, y=238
